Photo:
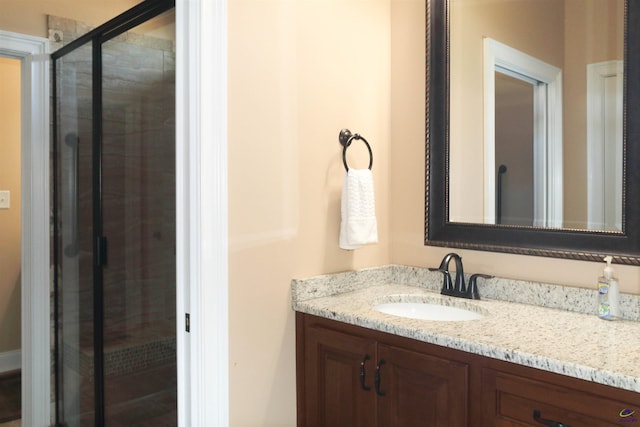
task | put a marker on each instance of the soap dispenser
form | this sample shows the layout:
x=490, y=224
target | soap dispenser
x=608, y=293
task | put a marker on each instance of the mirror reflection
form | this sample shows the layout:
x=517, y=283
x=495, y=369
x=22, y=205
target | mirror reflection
x=536, y=111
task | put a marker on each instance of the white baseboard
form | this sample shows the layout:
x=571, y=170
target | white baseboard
x=10, y=361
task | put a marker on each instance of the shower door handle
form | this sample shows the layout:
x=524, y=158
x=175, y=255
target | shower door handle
x=501, y=171
x=101, y=251
x=73, y=142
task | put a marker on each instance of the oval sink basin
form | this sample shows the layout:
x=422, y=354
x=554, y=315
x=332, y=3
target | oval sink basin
x=426, y=311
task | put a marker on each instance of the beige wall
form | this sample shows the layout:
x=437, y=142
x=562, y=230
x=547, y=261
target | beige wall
x=298, y=73
x=10, y=218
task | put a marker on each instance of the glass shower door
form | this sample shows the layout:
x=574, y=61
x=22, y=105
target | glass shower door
x=138, y=206
x=114, y=163
x=74, y=204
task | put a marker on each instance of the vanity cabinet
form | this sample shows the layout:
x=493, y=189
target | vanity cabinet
x=350, y=376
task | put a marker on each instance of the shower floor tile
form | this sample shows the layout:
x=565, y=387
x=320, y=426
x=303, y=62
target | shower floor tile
x=139, y=399
x=146, y=398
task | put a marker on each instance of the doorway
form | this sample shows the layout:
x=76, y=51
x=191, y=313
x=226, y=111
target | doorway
x=115, y=222
x=35, y=260
x=505, y=66
x=10, y=243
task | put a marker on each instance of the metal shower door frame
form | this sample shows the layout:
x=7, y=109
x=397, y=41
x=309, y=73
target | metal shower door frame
x=133, y=17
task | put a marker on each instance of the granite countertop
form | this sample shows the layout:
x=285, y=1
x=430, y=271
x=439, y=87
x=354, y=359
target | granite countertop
x=530, y=325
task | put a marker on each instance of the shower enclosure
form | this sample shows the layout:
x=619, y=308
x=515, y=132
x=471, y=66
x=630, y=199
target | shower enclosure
x=114, y=222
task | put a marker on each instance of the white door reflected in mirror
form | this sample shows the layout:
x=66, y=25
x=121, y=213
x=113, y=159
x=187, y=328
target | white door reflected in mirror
x=604, y=145
x=522, y=138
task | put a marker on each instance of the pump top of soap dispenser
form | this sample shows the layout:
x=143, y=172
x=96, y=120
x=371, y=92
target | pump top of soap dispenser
x=608, y=270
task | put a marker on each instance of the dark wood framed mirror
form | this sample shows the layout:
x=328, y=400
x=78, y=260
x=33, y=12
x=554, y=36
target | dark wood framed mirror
x=564, y=240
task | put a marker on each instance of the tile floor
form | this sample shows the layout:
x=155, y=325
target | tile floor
x=141, y=399
x=9, y=396
x=147, y=398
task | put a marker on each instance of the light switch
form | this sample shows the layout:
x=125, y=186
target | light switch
x=4, y=200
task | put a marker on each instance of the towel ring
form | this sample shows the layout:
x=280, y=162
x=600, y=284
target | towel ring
x=346, y=138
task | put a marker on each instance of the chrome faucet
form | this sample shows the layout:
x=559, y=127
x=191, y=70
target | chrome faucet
x=458, y=289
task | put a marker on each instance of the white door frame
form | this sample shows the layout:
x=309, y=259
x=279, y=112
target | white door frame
x=548, y=123
x=201, y=212
x=33, y=53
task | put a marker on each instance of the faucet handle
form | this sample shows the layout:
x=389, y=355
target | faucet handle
x=472, y=290
x=447, y=285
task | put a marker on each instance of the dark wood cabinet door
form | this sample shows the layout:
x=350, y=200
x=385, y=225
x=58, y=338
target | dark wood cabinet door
x=336, y=392
x=416, y=389
x=514, y=400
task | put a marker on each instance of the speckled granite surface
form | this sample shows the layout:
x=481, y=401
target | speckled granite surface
x=539, y=325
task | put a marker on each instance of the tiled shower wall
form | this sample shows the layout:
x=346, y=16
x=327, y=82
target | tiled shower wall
x=138, y=198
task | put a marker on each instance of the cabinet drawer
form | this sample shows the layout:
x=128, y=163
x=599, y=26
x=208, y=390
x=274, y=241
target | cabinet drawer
x=510, y=400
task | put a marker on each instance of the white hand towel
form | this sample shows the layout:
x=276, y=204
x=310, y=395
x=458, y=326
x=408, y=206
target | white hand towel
x=359, y=225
